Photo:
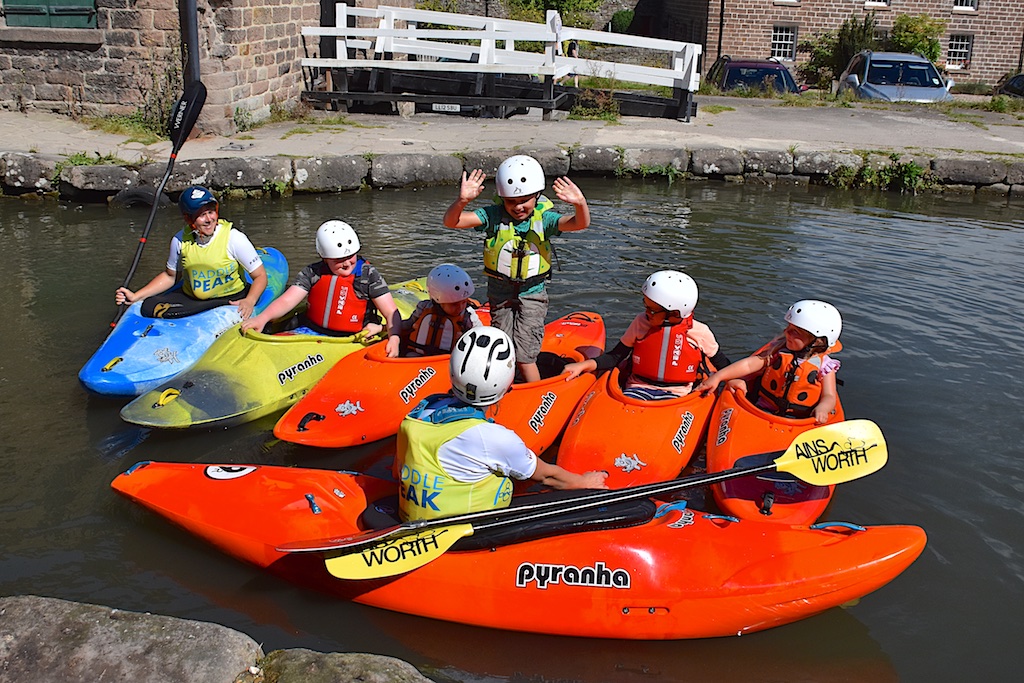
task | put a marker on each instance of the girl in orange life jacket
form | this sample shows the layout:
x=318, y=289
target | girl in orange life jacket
x=435, y=324
x=345, y=292
x=794, y=373
x=209, y=260
x=669, y=350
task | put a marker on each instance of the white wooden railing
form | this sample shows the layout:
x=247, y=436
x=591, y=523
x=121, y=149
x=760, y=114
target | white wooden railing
x=398, y=37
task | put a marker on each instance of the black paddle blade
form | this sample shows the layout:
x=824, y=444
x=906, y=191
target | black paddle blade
x=185, y=113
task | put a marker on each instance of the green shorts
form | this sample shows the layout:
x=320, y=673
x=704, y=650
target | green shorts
x=523, y=320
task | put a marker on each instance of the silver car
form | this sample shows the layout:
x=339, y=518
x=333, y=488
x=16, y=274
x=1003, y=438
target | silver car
x=894, y=77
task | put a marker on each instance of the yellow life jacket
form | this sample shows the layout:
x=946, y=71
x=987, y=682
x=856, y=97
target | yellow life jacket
x=426, y=490
x=207, y=271
x=520, y=256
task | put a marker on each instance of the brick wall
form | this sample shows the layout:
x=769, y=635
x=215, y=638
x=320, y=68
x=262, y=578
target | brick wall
x=249, y=58
x=997, y=26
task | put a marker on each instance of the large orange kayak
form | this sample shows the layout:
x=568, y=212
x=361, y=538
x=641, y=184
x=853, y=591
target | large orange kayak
x=635, y=441
x=742, y=435
x=366, y=394
x=682, y=574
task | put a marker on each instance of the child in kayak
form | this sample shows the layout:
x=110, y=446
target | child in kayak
x=668, y=349
x=451, y=459
x=435, y=324
x=517, y=247
x=209, y=260
x=345, y=293
x=794, y=374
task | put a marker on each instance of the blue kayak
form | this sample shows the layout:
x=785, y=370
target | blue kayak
x=142, y=353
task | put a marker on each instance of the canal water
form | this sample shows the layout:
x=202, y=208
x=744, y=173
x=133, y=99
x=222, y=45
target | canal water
x=929, y=288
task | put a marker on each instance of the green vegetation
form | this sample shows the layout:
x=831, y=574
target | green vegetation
x=159, y=90
x=595, y=105
x=621, y=20
x=918, y=34
x=715, y=108
x=901, y=176
x=831, y=51
x=87, y=159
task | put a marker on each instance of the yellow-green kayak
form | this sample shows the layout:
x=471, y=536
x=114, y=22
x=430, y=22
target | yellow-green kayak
x=243, y=377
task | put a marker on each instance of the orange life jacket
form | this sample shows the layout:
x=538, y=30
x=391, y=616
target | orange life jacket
x=790, y=382
x=666, y=355
x=333, y=304
x=435, y=331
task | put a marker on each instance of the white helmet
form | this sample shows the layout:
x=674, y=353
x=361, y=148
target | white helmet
x=519, y=176
x=336, y=239
x=482, y=366
x=817, y=317
x=449, y=284
x=672, y=290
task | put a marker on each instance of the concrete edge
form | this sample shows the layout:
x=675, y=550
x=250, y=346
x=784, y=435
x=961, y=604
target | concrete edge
x=24, y=174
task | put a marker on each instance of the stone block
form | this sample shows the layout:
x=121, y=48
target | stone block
x=330, y=174
x=46, y=639
x=405, y=170
x=24, y=172
x=251, y=172
x=969, y=171
x=186, y=173
x=823, y=163
x=998, y=189
x=716, y=161
x=637, y=160
x=1015, y=173
x=595, y=160
x=109, y=179
x=767, y=161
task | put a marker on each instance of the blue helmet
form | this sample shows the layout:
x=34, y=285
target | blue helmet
x=194, y=198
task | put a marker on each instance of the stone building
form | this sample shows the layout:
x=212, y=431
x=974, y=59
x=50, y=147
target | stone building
x=984, y=39
x=118, y=56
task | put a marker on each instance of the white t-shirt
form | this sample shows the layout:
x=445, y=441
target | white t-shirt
x=486, y=450
x=239, y=248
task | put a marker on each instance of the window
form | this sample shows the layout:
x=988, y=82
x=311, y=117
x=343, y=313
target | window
x=51, y=13
x=959, y=54
x=784, y=42
x=965, y=4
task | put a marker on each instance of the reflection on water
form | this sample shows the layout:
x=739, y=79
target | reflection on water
x=928, y=288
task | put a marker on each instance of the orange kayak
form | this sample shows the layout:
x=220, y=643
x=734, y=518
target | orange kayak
x=742, y=435
x=366, y=394
x=636, y=442
x=682, y=574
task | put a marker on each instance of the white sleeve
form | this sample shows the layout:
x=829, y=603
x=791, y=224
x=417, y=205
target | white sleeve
x=241, y=249
x=174, y=257
x=484, y=450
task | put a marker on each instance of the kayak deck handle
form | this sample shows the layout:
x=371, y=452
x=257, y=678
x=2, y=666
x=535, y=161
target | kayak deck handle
x=842, y=525
x=110, y=366
x=312, y=504
x=306, y=419
x=166, y=397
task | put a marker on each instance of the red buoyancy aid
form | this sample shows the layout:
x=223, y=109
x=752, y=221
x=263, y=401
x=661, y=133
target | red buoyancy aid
x=790, y=382
x=666, y=355
x=333, y=304
x=435, y=332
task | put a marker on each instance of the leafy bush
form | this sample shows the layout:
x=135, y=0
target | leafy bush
x=918, y=34
x=621, y=21
x=830, y=52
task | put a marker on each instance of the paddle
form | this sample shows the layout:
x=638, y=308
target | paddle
x=183, y=118
x=823, y=456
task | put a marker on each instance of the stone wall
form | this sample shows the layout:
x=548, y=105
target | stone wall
x=997, y=28
x=249, y=58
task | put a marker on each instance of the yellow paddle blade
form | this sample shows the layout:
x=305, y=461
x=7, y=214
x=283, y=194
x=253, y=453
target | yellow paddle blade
x=835, y=453
x=399, y=555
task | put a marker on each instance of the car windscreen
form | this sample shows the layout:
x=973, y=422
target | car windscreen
x=759, y=77
x=894, y=72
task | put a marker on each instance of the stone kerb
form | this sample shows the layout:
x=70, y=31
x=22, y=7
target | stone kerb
x=25, y=173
